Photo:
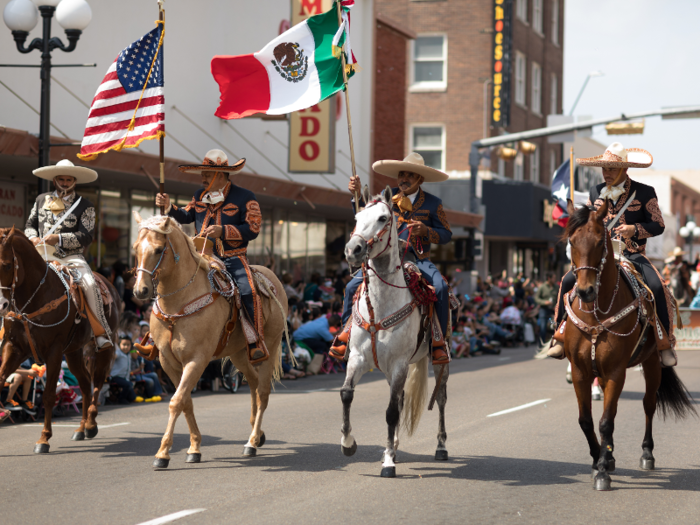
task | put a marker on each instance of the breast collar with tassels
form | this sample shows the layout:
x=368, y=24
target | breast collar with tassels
x=393, y=319
x=17, y=314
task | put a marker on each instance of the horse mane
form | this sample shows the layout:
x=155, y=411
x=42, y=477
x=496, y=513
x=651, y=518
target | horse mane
x=156, y=224
x=578, y=219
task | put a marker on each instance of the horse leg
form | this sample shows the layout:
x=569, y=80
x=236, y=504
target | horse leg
x=191, y=373
x=398, y=425
x=53, y=369
x=652, y=376
x=441, y=451
x=582, y=385
x=101, y=367
x=194, y=454
x=396, y=383
x=252, y=375
x=357, y=366
x=612, y=388
x=76, y=364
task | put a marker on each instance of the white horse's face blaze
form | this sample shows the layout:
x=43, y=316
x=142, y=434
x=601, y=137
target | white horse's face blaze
x=370, y=222
x=148, y=249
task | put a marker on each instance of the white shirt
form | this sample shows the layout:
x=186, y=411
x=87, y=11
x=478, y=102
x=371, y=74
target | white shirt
x=413, y=196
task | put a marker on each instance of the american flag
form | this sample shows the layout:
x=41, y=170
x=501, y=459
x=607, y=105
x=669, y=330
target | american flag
x=128, y=92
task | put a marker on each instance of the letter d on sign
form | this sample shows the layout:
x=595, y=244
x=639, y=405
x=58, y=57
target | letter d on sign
x=311, y=122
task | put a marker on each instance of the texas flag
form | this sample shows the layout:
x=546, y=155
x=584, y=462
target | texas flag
x=561, y=191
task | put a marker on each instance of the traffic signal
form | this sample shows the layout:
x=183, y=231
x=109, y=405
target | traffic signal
x=476, y=248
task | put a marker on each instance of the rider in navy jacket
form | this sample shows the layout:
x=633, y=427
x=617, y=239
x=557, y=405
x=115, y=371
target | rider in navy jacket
x=420, y=215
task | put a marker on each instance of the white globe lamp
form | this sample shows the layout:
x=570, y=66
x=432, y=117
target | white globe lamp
x=20, y=15
x=74, y=14
x=51, y=3
x=684, y=231
x=691, y=226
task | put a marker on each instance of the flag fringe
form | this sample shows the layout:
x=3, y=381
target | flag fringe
x=121, y=146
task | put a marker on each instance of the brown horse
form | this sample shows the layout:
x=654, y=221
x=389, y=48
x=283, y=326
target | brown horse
x=188, y=319
x=35, y=300
x=600, y=340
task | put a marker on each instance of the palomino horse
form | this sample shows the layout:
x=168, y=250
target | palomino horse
x=41, y=321
x=196, y=316
x=393, y=348
x=605, y=324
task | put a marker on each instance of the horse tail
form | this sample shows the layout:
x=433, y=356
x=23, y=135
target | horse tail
x=673, y=397
x=415, y=395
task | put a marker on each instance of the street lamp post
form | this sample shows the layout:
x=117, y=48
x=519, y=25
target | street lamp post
x=21, y=17
x=689, y=232
x=585, y=83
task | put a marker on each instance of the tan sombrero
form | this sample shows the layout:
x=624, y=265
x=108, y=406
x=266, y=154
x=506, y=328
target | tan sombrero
x=677, y=251
x=66, y=167
x=214, y=160
x=616, y=156
x=413, y=163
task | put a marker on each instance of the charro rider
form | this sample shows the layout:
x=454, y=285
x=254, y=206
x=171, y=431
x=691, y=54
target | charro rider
x=420, y=215
x=66, y=221
x=641, y=220
x=230, y=216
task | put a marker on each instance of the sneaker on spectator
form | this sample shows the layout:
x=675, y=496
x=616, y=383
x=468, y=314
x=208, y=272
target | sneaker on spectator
x=14, y=406
x=138, y=399
x=28, y=407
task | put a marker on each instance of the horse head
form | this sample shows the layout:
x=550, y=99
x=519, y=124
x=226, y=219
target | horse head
x=11, y=252
x=589, y=248
x=374, y=229
x=149, y=250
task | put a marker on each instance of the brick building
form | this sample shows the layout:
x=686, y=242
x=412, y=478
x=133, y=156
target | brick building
x=449, y=102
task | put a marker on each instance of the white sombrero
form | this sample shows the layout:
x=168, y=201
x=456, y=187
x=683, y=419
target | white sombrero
x=616, y=156
x=413, y=163
x=66, y=167
x=214, y=160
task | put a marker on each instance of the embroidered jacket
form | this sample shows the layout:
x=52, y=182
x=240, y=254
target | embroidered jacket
x=644, y=212
x=427, y=208
x=239, y=215
x=75, y=232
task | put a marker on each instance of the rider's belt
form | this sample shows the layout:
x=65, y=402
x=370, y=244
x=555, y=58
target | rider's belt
x=238, y=252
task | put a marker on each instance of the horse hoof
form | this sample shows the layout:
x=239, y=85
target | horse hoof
x=441, y=455
x=78, y=436
x=161, y=463
x=646, y=464
x=602, y=484
x=41, y=448
x=349, y=451
x=193, y=458
x=389, y=472
x=611, y=465
x=261, y=440
x=249, y=452
x=90, y=432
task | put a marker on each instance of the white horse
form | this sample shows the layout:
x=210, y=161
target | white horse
x=385, y=335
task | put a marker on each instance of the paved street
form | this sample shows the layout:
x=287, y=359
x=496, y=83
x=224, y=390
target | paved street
x=526, y=466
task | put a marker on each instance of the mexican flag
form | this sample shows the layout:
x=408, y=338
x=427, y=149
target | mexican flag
x=297, y=70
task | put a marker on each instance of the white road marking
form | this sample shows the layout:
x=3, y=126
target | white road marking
x=172, y=517
x=77, y=424
x=527, y=405
x=504, y=358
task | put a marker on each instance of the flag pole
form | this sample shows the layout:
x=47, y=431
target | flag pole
x=161, y=17
x=571, y=173
x=347, y=110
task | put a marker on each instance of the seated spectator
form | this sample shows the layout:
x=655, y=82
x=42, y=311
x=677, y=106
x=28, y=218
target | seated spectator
x=460, y=341
x=137, y=373
x=316, y=334
x=327, y=291
x=312, y=292
x=120, y=371
x=23, y=376
x=511, y=314
x=292, y=293
x=342, y=281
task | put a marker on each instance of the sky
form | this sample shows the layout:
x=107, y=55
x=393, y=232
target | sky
x=648, y=51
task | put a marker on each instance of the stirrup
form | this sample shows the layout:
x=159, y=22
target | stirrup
x=340, y=345
x=257, y=353
x=440, y=356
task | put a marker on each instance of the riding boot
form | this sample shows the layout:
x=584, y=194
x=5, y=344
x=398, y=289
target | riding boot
x=340, y=343
x=668, y=357
x=556, y=345
x=257, y=351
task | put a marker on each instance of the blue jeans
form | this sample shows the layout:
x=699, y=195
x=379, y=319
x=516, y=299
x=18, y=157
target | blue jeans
x=238, y=271
x=153, y=387
x=127, y=393
x=543, y=317
x=431, y=274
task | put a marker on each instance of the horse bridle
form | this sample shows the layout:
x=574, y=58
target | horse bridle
x=599, y=269
x=380, y=234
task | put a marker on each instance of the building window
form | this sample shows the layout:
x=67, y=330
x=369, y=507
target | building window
x=535, y=165
x=520, y=78
x=553, y=95
x=429, y=63
x=555, y=22
x=521, y=10
x=518, y=172
x=537, y=16
x=536, y=96
x=429, y=141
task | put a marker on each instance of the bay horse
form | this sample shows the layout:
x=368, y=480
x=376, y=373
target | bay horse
x=42, y=321
x=188, y=320
x=395, y=349
x=605, y=323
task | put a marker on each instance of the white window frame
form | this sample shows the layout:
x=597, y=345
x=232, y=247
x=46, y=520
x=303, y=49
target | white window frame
x=555, y=22
x=521, y=10
x=536, y=89
x=443, y=145
x=553, y=94
x=535, y=165
x=538, y=16
x=519, y=167
x=520, y=83
x=552, y=163
x=428, y=86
